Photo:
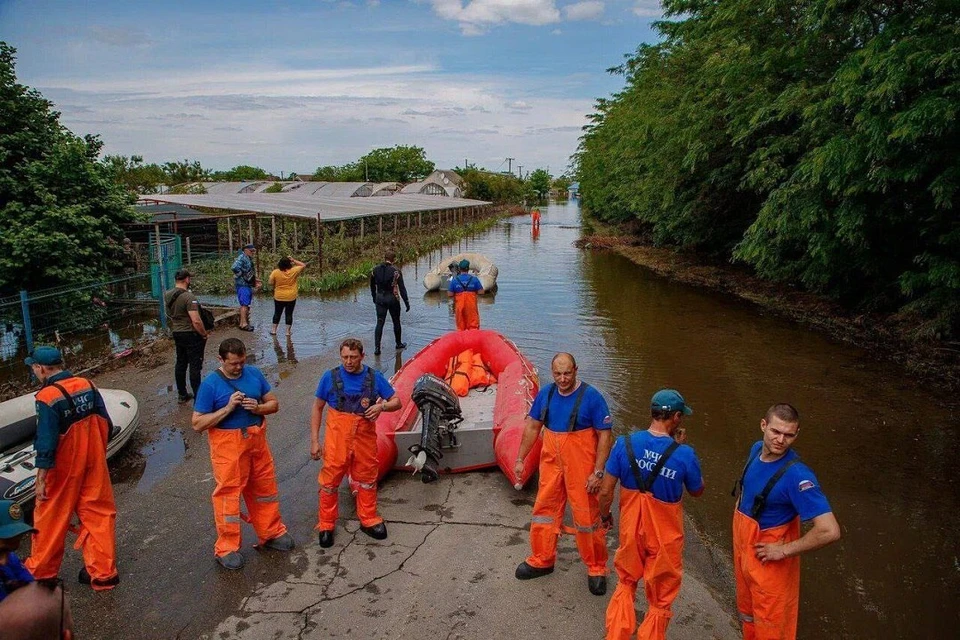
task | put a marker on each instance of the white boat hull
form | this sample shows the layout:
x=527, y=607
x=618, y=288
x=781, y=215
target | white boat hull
x=17, y=468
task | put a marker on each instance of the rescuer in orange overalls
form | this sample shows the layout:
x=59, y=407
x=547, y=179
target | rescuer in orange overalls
x=777, y=491
x=535, y=217
x=576, y=443
x=652, y=467
x=464, y=289
x=357, y=395
x=231, y=406
x=73, y=428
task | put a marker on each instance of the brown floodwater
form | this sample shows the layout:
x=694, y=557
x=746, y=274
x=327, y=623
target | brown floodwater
x=883, y=446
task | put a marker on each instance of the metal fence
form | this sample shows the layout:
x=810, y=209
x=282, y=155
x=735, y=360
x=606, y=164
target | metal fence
x=90, y=322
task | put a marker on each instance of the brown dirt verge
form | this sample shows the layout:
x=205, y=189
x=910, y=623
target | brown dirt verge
x=887, y=336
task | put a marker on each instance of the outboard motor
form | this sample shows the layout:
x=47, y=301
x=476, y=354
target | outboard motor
x=440, y=410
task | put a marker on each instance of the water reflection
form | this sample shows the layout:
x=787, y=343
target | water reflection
x=290, y=355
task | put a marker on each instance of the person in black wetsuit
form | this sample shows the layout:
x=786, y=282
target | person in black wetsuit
x=387, y=289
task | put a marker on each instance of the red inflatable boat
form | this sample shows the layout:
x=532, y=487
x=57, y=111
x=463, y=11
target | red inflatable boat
x=492, y=417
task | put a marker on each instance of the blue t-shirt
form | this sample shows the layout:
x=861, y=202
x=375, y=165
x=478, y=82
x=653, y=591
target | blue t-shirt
x=593, y=410
x=464, y=282
x=214, y=394
x=13, y=575
x=681, y=470
x=797, y=492
x=352, y=385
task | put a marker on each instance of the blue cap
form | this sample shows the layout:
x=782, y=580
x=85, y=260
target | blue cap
x=250, y=246
x=11, y=520
x=669, y=400
x=464, y=264
x=45, y=356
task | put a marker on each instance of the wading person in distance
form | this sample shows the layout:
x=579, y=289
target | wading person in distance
x=189, y=334
x=245, y=280
x=777, y=491
x=464, y=289
x=284, y=280
x=356, y=395
x=576, y=443
x=652, y=467
x=387, y=289
x=73, y=428
x=231, y=406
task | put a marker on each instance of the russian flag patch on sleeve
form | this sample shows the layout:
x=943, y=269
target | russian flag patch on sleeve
x=805, y=484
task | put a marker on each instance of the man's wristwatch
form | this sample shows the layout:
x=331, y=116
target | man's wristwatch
x=599, y=474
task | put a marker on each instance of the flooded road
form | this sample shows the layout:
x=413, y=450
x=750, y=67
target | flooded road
x=883, y=447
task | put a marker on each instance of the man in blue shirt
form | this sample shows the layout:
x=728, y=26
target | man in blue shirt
x=245, y=280
x=464, y=289
x=777, y=491
x=13, y=575
x=652, y=467
x=356, y=396
x=576, y=443
x=231, y=406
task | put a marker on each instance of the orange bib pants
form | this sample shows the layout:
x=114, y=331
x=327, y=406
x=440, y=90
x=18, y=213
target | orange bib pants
x=466, y=311
x=243, y=466
x=566, y=461
x=79, y=482
x=349, y=446
x=651, y=549
x=768, y=595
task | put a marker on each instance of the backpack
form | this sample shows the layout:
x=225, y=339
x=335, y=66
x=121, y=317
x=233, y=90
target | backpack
x=206, y=316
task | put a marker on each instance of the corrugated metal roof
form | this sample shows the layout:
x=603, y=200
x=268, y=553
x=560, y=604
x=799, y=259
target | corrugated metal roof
x=308, y=206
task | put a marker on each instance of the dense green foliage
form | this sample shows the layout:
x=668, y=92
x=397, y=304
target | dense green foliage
x=815, y=140
x=499, y=188
x=539, y=182
x=388, y=164
x=60, y=208
x=240, y=173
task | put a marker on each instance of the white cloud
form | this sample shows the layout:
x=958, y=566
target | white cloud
x=476, y=16
x=301, y=119
x=647, y=8
x=556, y=32
x=589, y=10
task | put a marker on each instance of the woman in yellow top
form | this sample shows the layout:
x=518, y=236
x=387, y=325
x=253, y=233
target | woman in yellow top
x=283, y=279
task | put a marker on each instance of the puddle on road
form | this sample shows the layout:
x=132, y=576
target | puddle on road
x=161, y=455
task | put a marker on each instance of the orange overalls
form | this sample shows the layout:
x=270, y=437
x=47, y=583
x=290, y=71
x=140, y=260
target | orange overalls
x=566, y=461
x=465, y=310
x=768, y=595
x=79, y=482
x=349, y=446
x=651, y=549
x=243, y=465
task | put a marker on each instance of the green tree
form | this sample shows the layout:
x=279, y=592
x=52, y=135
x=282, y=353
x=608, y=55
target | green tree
x=137, y=177
x=179, y=172
x=61, y=208
x=800, y=137
x=539, y=182
x=240, y=173
x=395, y=164
x=346, y=173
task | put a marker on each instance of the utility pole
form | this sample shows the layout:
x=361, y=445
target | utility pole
x=509, y=165
x=520, y=170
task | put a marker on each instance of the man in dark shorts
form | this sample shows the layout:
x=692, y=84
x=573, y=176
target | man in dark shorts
x=387, y=289
x=189, y=335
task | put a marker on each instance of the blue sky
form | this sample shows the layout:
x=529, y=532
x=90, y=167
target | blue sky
x=290, y=86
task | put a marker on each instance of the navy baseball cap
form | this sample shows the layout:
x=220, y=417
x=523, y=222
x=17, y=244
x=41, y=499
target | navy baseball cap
x=249, y=246
x=45, y=356
x=669, y=400
x=11, y=520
